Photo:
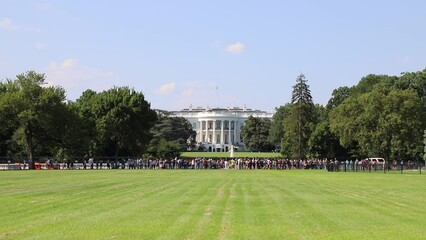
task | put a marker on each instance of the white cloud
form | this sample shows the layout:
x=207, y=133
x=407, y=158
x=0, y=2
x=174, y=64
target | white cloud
x=166, y=88
x=76, y=78
x=6, y=23
x=40, y=45
x=191, y=91
x=236, y=48
x=69, y=63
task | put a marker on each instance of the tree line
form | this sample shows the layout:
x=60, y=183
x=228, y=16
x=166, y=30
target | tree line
x=380, y=116
x=36, y=120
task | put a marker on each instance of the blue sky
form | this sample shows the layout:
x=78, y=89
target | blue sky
x=178, y=52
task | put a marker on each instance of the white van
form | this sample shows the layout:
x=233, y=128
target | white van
x=378, y=160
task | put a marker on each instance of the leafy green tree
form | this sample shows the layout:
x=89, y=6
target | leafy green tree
x=322, y=142
x=338, y=96
x=300, y=122
x=173, y=128
x=76, y=141
x=8, y=119
x=171, y=135
x=367, y=83
x=400, y=125
x=319, y=142
x=125, y=118
x=255, y=134
x=122, y=119
x=413, y=80
x=85, y=107
x=276, y=133
x=385, y=121
x=34, y=113
x=417, y=82
x=164, y=148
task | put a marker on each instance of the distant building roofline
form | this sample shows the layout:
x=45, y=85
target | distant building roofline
x=219, y=109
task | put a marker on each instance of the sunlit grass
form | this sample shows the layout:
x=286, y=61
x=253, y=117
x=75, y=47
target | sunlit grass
x=211, y=204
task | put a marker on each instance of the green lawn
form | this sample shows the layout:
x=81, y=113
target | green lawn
x=227, y=154
x=211, y=204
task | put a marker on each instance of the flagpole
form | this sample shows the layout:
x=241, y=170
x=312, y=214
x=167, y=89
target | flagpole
x=217, y=96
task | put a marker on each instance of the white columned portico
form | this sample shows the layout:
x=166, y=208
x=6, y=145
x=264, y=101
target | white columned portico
x=216, y=126
x=235, y=132
x=221, y=132
x=214, y=132
x=239, y=134
x=229, y=132
x=200, y=131
x=207, y=131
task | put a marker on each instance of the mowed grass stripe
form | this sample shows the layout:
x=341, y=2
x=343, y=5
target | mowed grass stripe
x=209, y=222
x=362, y=209
x=153, y=217
x=190, y=211
x=101, y=201
x=295, y=212
x=225, y=204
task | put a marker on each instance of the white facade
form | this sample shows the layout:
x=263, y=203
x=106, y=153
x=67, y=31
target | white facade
x=219, y=128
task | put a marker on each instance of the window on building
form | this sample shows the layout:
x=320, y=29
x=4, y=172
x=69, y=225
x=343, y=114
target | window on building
x=218, y=125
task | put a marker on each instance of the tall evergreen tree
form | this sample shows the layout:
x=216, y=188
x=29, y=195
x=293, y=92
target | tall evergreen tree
x=299, y=123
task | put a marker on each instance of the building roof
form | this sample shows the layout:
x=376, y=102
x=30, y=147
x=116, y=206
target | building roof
x=218, y=112
x=218, y=109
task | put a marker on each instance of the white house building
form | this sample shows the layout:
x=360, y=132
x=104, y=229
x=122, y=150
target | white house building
x=219, y=128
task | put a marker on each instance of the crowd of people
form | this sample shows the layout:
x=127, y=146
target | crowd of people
x=198, y=163
x=220, y=163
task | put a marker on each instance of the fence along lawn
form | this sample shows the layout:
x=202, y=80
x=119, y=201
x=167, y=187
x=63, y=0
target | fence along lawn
x=211, y=204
